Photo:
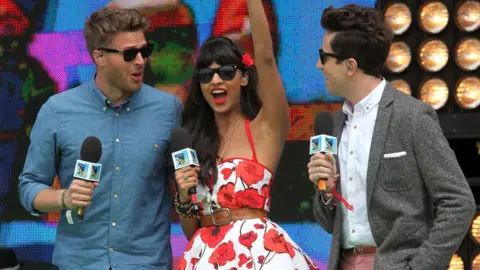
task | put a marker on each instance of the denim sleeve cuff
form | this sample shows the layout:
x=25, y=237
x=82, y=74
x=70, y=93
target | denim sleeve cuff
x=32, y=193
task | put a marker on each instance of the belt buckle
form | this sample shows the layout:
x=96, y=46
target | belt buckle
x=358, y=250
x=221, y=223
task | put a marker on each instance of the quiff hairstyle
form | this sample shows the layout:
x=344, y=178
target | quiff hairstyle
x=361, y=34
x=105, y=23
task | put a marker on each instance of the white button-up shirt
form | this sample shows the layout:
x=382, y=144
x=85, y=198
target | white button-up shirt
x=354, y=151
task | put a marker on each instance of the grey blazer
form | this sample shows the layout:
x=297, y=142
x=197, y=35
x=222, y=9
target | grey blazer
x=402, y=191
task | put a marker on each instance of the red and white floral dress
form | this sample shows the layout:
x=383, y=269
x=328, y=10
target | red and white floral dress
x=242, y=244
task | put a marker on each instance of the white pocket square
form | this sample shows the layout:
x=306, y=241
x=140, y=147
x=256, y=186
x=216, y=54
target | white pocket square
x=395, y=155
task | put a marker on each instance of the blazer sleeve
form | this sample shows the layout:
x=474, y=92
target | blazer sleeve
x=448, y=188
x=324, y=213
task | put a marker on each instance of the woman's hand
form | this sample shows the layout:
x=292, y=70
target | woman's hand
x=186, y=178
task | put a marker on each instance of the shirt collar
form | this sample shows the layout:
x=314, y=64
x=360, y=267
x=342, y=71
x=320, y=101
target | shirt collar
x=367, y=103
x=104, y=102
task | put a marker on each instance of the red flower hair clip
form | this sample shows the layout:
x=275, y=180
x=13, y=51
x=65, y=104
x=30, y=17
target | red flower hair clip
x=247, y=60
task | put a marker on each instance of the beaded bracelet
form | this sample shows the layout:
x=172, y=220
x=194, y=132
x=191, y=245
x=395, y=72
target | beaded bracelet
x=184, y=210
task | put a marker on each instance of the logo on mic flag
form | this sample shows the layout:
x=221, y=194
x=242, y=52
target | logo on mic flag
x=323, y=144
x=185, y=157
x=87, y=171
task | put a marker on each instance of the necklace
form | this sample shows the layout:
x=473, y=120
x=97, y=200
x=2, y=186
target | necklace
x=228, y=142
x=207, y=201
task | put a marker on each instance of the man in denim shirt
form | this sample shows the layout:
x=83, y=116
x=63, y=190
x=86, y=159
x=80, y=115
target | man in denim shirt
x=127, y=221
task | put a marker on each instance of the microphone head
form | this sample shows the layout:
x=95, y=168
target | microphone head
x=91, y=150
x=323, y=124
x=180, y=139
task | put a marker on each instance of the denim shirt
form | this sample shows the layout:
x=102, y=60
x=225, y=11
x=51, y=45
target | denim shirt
x=127, y=225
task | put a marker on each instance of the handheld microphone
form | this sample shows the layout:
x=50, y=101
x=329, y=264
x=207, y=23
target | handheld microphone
x=87, y=167
x=183, y=155
x=323, y=141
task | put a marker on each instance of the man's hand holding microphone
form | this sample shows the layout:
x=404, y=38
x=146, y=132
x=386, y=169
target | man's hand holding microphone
x=79, y=194
x=322, y=167
x=86, y=177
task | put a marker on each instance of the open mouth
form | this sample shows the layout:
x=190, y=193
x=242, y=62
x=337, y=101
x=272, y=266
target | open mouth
x=137, y=76
x=219, y=96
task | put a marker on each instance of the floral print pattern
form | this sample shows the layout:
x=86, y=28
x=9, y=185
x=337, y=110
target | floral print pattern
x=258, y=244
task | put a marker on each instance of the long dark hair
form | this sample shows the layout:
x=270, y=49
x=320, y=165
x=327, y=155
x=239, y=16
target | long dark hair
x=198, y=116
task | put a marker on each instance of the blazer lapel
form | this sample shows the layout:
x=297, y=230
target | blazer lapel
x=379, y=136
x=339, y=119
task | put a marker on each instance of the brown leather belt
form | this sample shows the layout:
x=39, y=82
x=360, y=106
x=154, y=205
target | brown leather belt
x=360, y=250
x=223, y=216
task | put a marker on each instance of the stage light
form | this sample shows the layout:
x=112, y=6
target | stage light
x=468, y=16
x=402, y=85
x=467, y=93
x=476, y=262
x=399, y=57
x=456, y=263
x=433, y=17
x=398, y=17
x=475, y=230
x=434, y=92
x=468, y=54
x=433, y=55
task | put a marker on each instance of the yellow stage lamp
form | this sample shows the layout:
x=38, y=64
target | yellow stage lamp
x=398, y=17
x=467, y=93
x=433, y=55
x=399, y=57
x=456, y=263
x=468, y=16
x=433, y=17
x=402, y=85
x=467, y=54
x=434, y=92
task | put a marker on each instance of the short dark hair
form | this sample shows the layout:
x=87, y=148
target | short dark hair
x=361, y=34
x=103, y=24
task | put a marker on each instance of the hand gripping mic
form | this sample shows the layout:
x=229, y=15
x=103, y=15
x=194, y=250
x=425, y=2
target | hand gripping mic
x=323, y=141
x=183, y=155
x=87, y=167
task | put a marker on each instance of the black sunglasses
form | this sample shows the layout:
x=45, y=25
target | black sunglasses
x=130, y=54
x=324, y=55
x=226, y=73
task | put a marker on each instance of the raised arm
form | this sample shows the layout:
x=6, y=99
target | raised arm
x=275, y=111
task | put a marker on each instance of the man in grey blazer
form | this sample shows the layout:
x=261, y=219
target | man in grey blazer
x=412, y=205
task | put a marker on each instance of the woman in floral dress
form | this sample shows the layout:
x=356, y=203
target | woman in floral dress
x=237, y=114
